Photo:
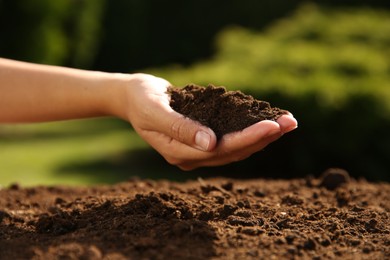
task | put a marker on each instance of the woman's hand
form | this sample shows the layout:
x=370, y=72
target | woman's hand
x=184, y=142
x=37, y=93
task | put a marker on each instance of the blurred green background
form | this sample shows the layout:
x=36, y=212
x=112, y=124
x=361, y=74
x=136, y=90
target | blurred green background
x=328, y=62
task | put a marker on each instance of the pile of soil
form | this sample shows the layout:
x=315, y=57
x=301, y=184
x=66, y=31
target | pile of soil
x=221, y=110
x=331, y=217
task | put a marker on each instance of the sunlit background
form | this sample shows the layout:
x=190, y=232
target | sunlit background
x=327, y=62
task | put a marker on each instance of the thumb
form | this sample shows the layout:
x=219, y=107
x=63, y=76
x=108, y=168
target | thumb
x=190, y=132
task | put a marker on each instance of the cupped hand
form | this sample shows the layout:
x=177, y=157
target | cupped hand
x=187, y=143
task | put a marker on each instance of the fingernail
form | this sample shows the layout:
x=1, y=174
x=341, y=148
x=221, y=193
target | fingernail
x=202, y=140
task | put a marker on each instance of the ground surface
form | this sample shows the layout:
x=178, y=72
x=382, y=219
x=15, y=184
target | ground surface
x=332, y=217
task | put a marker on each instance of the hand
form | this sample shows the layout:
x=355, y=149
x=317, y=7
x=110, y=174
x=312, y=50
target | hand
x=139, y=98
x=186, y=143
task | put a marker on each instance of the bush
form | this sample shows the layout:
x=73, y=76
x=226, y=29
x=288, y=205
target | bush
x=331, y=69
x=61, y=32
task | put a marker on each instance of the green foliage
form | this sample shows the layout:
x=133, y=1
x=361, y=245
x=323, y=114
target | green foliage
x=322, y=51
x=62, y=32
x=85, y=31
x=124, y=35
x=145, y=33
x=330, y=68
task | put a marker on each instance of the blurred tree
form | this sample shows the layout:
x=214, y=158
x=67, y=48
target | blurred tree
x=84, y=27
x=62, y=32
x=144, y=33
x=125, y=35
x=31, y=30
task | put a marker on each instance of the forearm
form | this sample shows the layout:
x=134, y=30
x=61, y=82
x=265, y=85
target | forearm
x=34, y=93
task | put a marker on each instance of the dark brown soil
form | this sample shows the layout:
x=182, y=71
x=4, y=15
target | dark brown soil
x=221, y=110
x=331, y=217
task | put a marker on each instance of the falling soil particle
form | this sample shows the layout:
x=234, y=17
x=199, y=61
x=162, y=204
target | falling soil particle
x=204, y=219
x=221, y=110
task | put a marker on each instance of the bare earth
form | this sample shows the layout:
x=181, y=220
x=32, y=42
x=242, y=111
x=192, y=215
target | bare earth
x=332, y=217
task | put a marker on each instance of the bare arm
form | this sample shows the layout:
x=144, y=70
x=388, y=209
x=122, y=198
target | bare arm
x=35, y=93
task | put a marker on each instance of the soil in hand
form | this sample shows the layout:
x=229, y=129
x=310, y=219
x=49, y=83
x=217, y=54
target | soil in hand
x=221, y=110
x=309, y=218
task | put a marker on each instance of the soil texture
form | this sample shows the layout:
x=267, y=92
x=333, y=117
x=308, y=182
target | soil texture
x=221, y=110
x=331, y=217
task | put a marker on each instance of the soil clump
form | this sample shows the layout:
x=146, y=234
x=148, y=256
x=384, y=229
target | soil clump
x=200, y=219
x=221, y=110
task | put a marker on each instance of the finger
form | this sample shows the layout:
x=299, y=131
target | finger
x=232, y=147
x=239, y=145
x=173, y=151
x=184, y=130
x=238, y=155
x=235, y=157
x=160, y=117
x=287, y=123
x=249, y=136
x=191, y=133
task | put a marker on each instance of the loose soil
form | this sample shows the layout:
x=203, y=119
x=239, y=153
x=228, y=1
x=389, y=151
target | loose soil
x=334, y=216
x=221, y=110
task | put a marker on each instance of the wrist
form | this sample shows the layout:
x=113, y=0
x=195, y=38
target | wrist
x=114, y=94
x=127, y=95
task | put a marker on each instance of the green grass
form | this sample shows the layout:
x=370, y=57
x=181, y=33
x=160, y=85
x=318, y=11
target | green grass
x=333, y=53
x=80, y=152
x=37, y=154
